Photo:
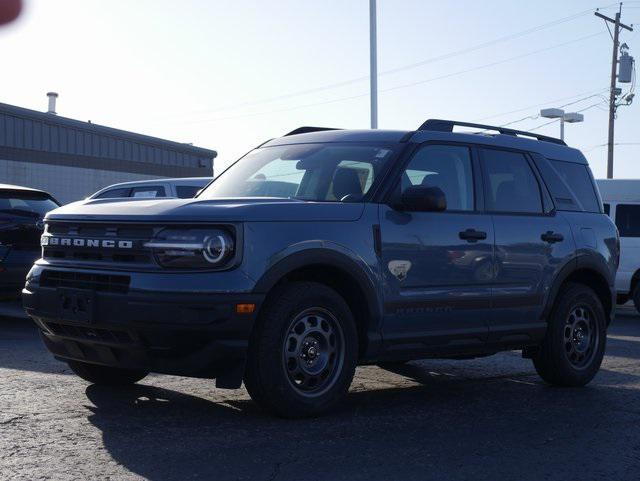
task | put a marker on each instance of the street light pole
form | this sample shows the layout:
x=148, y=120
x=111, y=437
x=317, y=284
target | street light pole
x=373, y=63
x=571, y=117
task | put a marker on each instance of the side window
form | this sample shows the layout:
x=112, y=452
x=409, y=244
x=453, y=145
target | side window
x=628, y=220
x=511, y=185
x=148, y=191
x=447, y=167
x=578, y=178
x=607, y=209
x=114, y=193
x=187, y=191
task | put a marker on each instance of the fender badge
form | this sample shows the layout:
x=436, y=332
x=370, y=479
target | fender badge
x=399, y=269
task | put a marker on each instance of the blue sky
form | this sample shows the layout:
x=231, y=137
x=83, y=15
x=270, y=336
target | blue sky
x=228, y=75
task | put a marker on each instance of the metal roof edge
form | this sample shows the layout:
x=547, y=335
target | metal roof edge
x=101, y=129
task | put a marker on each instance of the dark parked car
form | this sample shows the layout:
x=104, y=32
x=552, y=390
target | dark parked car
x=21, y=224
x=325, y=249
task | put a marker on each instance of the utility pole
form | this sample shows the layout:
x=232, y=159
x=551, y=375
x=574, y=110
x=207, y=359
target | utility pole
x=613, y=90
x=373, y=63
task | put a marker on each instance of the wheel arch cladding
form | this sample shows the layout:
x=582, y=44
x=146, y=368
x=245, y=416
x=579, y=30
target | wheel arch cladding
x=590, y=277
x=342, y=274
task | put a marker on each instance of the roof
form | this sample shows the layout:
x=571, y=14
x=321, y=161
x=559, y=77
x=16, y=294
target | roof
x=550, y=150
x=619, y=190
x=175, y=181
x=57, y=120
x=19, y=187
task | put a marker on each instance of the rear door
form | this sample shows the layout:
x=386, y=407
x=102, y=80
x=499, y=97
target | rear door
x=532, y=242
x=437, y=266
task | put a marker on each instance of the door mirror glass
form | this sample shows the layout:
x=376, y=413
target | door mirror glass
x=422, y=198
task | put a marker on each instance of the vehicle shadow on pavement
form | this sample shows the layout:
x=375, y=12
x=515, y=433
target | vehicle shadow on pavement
x=22, y=350
x=442, y=427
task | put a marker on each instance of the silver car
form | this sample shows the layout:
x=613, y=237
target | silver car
x=182, y=188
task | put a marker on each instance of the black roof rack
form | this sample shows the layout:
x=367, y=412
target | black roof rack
x=306, y=130
x=439, y=125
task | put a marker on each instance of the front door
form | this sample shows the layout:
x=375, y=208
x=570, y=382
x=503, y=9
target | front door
x=532, y=242
x=437, y=266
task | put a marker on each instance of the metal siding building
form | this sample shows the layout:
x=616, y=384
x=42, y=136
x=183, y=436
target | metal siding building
x=73, y=159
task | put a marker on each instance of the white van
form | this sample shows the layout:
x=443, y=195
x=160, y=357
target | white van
x=621, y=198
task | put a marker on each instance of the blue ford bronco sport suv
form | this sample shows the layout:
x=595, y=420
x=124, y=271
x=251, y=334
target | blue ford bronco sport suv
x=329, y=248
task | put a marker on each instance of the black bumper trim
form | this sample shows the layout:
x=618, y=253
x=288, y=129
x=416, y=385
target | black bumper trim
x=198, y=335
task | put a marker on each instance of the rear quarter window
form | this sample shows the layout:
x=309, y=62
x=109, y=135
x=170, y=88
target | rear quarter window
x=578, y=178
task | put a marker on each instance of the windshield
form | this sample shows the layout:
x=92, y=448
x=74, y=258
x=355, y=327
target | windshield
x=318, y=172
x=29, y=204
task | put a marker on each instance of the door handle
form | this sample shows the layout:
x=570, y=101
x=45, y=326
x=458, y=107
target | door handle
x=472, y=235
x=551, y=237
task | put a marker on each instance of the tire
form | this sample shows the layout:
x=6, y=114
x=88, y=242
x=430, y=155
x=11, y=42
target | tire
x=636, y=297
x=106, y=376
x=574, y=345
x=303, y=352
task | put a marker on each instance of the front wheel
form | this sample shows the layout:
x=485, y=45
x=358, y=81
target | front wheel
x=106, y=376
x=303, y=352
x=574, y=345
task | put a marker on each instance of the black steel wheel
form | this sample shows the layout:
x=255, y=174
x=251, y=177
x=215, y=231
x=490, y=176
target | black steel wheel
x=303, y=351
x=573, y=348
x=313, y=351
x=581, y=336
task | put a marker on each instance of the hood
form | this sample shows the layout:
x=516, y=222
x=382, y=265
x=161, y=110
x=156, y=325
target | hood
x=207, y=210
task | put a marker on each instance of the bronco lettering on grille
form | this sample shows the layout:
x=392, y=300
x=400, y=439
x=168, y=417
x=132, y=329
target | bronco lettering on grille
x=79, y=242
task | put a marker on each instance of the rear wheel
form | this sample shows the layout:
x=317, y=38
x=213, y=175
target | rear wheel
x=574, y=346
x=104, y=375
x=303, y=352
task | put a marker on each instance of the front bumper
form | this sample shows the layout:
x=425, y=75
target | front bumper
x=196, y=334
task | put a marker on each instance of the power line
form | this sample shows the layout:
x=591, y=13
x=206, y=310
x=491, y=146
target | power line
x=536, y=116
x=437, y=58
x=411, y=84
x=539, y=105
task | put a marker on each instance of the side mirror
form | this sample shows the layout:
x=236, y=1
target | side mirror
x=421, y=198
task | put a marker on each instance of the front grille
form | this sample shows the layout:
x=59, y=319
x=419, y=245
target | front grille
x=74, y=232
x=81, y=280
x=89, y=333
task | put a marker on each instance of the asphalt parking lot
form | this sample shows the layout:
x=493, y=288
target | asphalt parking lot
x=480, y=419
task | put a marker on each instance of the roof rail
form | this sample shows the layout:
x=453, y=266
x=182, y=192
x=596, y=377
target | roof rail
x=306, y=130
x=439, y=125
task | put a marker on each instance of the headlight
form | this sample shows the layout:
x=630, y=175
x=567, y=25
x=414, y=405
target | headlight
x=195, y=248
